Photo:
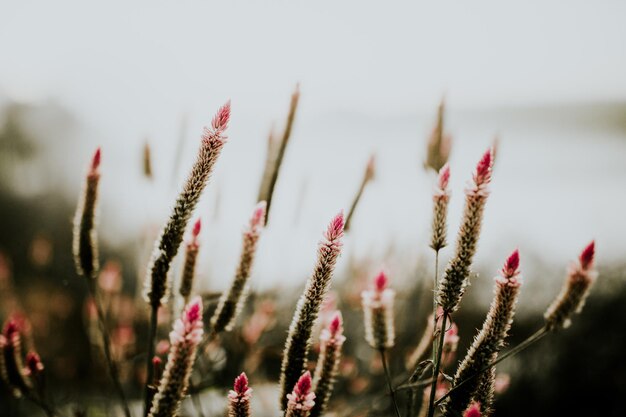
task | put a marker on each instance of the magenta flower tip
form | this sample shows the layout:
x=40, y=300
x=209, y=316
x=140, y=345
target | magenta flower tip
x=303, y=387
x=10, y=328
x=335, y=326
x=220, y=121
x=241, y=384
x=511, y=266
x=335, y=228
x=587, y=255
x=483, y=169
x=444, y=177
x=473, y=410
x=196, y=228
x=95, y=161
x=381, y=281
x=194, y=310
x=156, y=361
x=33, y=363
x=258, y=217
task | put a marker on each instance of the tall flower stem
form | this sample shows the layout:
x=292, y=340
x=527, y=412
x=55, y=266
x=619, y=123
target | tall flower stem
x=532, y=339
x=149, y=389
x=106, y=346
x=433, y=386
x=388, y=378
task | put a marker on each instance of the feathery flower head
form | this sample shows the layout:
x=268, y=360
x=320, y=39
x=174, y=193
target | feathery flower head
x=444, y=177
x=220, y=121
x=333, y=333
x=381, y=281
x=482, y=175
x=11, y=328
x=473, y=410
x=580, y=277
x=188, y=328
x=95, y=162
x=378, y=313
x=258, y=216
x=301, y=398
x=33, y=364
x=335, y=327
x=197, y=226
x=239, y=397
x=335, y=229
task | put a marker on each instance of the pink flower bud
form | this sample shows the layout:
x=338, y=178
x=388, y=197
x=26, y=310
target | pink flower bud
x=586, y=256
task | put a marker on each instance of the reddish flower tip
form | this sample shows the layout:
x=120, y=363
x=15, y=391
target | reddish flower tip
x=95, y=161
x=335, y=324
x=258, y=216
x=473, y=410
x=156, y=361
x=303, y=386
x=194, y=310
x=220, y=121
x=381, y=281
x=587, y=255
x=196, y=228
x=33, y=363
x=483, y=169
x=444, y=177
x=241, y=384
x=10, y=328
x=511, y=266
x=335, y=228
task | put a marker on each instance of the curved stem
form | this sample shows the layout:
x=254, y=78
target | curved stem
x=517, y=349
x=433, y=386
x=106, y=345
x=388, y=377
x=149, y=390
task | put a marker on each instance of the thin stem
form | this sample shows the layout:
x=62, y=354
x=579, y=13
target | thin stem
x=433, y=386
x=149, y=367
x=106, y=342
x=388, y=377
x=538, y=335
x=355, y=202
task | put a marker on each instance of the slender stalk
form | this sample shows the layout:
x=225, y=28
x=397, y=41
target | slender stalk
x=149, y=390
x=433, y=386
x=388, y=377
x=106, y=345
x=535, y=337
x=435, y=281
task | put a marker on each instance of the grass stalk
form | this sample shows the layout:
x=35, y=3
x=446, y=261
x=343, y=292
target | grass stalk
x=388, y=378
x=437, y=365
x=149, y=389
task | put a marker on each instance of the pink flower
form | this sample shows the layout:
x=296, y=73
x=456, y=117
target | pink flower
x=241, y=391
x=301, y=398
x=473, y=410
x=509, y=275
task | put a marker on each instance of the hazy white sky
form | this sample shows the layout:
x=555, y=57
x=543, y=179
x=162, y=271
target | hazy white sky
x=128, y=70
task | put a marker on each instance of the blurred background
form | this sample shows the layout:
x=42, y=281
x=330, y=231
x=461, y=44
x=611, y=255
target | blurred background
x=546, y=79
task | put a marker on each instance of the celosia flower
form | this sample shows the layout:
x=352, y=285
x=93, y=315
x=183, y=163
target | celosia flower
x=232, y=301
x=580, y=277
x=441, y=197
x=487, y=343
x=331, y=342
x=473, y=410
x=307, y=310
x=85, y=245
x=456, y=276
x=184, y=340
x=301, y=399
x=378, y=313
x=189, y=268
x=166, y=247
x=239, y=397
x=11, y=365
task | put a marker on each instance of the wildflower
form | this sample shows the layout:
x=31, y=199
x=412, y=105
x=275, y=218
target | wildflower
x=166, y=246
x=473, y=410
x=307, y=310
x=488, y=341
x=580, y=278
x=189, y=268
x=331, y=342
x=378, y=313
x=84, y=244
x=441, y=197
x=184, y=339
x=439, y=143
x=301, y=399
x=239, y=397
x=11, y=365
x=456, y=276
x=232, y=301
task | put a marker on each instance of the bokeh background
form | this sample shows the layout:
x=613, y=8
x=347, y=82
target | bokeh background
x=546, y=78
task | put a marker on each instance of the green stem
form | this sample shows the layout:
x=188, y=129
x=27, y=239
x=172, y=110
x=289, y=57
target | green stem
x=433, y=386
x=538, y=335
x=149, y=389
x=388, y=377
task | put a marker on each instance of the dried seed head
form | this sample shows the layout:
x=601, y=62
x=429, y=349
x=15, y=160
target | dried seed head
x=239, y=397
x=231, y=302
x=301, y=399
x=307, y=310
x=184, y=340
x=441, y=197
x=580, y=278
x=439, y=143
x=378, y=313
